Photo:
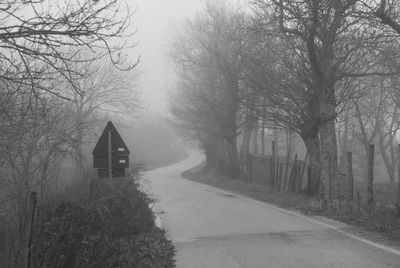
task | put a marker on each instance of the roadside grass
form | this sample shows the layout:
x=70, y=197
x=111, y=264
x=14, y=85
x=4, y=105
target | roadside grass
x=113, y=226
x=382, y=225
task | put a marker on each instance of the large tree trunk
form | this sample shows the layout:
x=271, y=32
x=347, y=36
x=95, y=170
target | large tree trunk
x=329, y=188
x=388, y=151
x=245, y=146
x=248, y=128
x=314, y=164
x=231, y=165
x=230, y=152
x=388, y=160
x=290, y=144
x=344, y=146
x=309, y=134
x=212, y=150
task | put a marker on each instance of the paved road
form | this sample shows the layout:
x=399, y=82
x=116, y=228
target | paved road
x=213, y=228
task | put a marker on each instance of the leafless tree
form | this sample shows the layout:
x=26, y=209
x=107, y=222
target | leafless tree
x=385, y=11
x=196, y=111
x=35, y=132
x=213, y=43
x=335, y=46
x=106, y=91
x=39, y=40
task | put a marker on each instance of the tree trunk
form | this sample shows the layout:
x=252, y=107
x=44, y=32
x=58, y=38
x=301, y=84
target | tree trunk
x=388, y=160
x=263, y=126
x=78, y=154
x=345, y=141
x=79, y=161
x=370, y=176
x=248, y=128
x=263, y=137
x=276, y=140
x=44, y=184
x=398, y=180
x=255, y=138
x=231, y=163
x=313, y=150
x=350, y=182
x=329, y=188
x=213, y=152
x=210, y=156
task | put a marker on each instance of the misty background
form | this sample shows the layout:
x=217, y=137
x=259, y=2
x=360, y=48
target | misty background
x=150, y=137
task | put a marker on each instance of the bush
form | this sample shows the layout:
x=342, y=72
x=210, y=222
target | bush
x=113, y=228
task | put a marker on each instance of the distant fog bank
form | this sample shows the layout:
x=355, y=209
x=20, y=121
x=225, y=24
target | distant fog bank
x=152, y=141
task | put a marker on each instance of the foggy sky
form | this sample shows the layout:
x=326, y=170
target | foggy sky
x=153, y=20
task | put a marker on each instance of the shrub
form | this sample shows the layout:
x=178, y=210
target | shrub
x=113, y=228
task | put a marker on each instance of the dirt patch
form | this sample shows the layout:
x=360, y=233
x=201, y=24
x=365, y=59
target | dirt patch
x=382, y=226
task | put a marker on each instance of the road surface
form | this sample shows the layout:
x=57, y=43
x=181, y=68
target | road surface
x=213, y=228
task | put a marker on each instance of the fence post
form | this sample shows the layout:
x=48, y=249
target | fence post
x=277, y=173
x=350, y=181
x=309, y=174
x=297, y=176
x=250, y=167
x=257, y=160
x=286, y=172
x=303, y=168
x=292, y=175
x=267, y=171
x=398, y=179
x=33, y=201
x=240, y=162
x=273, y=165
x=370, y=177
x=281, y=176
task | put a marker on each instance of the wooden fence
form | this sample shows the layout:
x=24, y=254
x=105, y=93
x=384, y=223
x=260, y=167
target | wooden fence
x=279, y=172
x=294, y=175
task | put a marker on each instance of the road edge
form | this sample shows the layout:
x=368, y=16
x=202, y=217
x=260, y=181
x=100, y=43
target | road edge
x=377, y=245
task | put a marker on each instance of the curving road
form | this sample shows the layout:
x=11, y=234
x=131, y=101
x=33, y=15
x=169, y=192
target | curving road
x=214, y=228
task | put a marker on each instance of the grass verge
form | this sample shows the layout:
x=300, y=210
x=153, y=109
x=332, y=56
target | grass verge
x=112, y=227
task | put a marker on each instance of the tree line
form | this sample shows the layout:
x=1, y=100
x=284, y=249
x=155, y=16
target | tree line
x=64, y=70
x=327, y=71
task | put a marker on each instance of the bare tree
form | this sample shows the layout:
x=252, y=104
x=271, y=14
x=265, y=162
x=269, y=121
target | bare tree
x=106, y=91
x=278, y=71
x=385, y=11
x=213, y=43
x=388, y=133
x=35, y=132
x=42, y=45
x=196, y=115
x=335, y=47
x=40, y=39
